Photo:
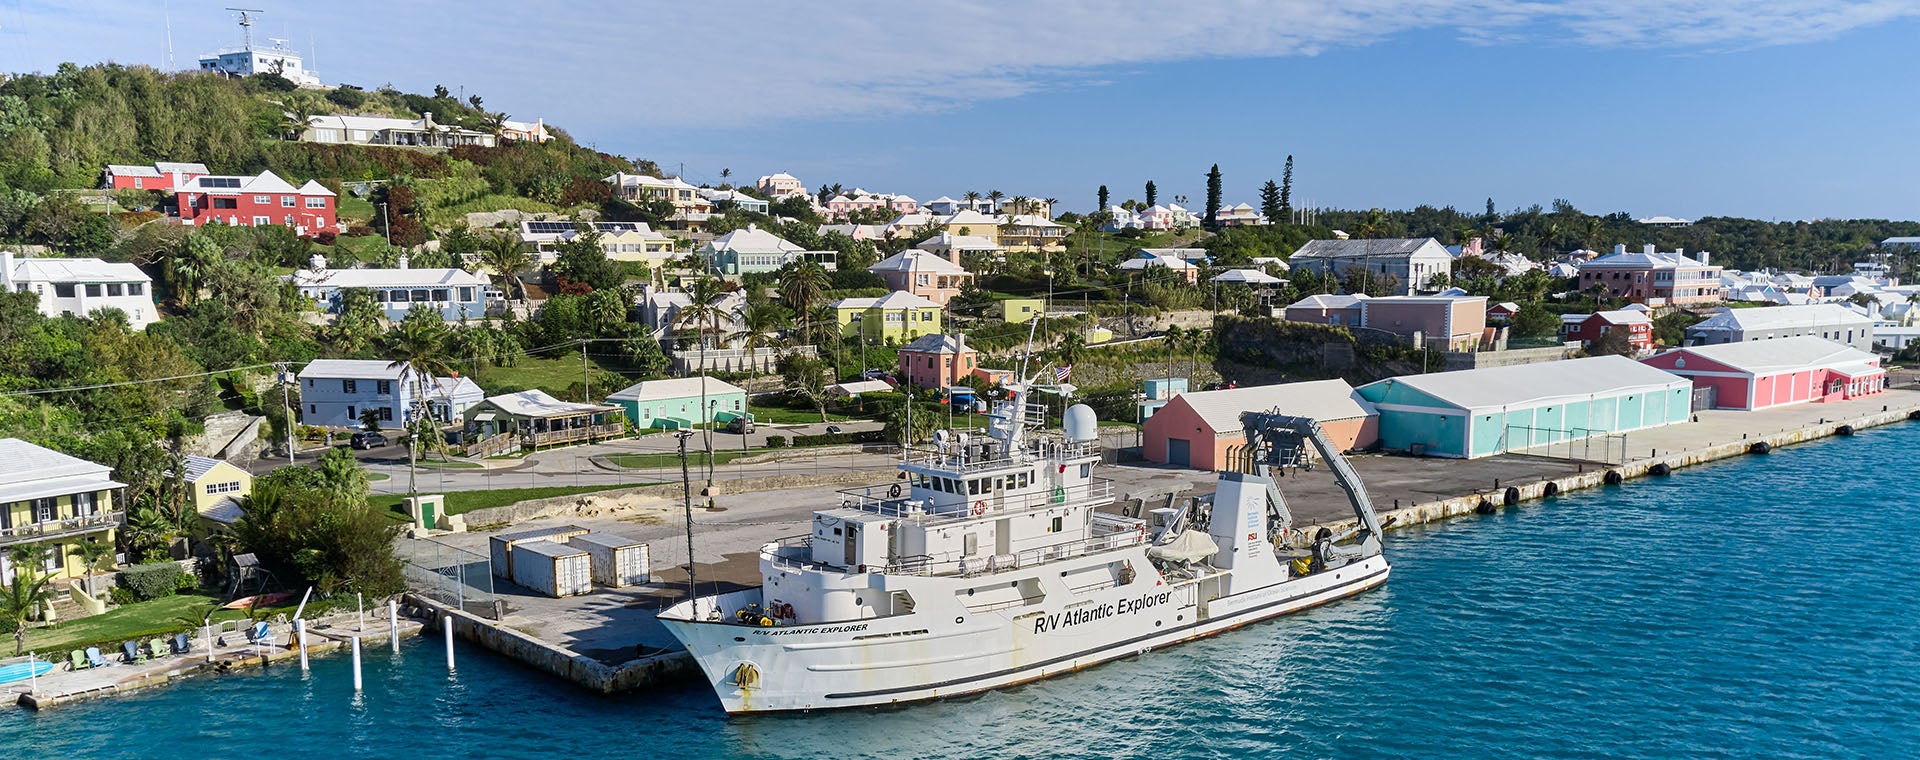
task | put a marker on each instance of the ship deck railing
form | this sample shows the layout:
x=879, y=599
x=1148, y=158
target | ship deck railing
x=955, y=458
x=882, y=500
x=1113, y=532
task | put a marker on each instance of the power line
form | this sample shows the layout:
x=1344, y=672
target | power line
x=100, y=386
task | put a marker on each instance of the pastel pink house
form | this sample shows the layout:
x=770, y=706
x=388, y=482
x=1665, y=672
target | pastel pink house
x=1762, y=374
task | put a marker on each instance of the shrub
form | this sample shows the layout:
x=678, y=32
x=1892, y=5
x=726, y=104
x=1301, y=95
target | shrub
x=121, y=596
x=829, y=439
x=153, y=580
x=326, y=237
x=776, y=441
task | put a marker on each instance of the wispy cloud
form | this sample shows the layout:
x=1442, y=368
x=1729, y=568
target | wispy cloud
x=725, y=65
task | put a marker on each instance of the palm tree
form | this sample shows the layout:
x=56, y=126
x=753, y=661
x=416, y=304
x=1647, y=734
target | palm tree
x=419, y=348
x=1071, y=345
x=148, y=531
x=760, y=328
x=91, y=552
x=507, y=258
x=27, y=595
x=971, y=197
x=800, y=288
x=705, y=312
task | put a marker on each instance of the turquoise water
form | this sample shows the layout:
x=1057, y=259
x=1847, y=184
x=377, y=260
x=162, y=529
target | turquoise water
x=1759, y=607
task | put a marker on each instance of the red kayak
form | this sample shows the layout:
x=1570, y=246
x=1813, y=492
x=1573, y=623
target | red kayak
x=263, y=600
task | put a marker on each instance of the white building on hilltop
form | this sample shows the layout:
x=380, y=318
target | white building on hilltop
x=79, y=287
x=250, y=59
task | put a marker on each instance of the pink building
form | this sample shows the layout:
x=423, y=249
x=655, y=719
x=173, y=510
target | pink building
x=1760, y=374
x=1449, y=323
x=1340, y=311
x=937, y=361
x=923, y=274
x=1200, y=430
x=1654, y=278
x=256, y=202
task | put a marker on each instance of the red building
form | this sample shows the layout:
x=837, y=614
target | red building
x=1767, y=373
x=257, y=202
x=163, y=175
x=1201, y=430
x=1588, y=328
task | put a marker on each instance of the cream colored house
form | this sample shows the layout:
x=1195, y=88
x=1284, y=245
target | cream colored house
x=217, y=487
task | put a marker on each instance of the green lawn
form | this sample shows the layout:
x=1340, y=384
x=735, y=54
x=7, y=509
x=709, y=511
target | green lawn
x=462, y=502
x=778, y=415
x=144, y=620
x=353, y=209
x=694, y=458
x=553, y=375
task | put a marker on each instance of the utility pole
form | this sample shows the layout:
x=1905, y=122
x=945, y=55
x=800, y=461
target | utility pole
x=586, y=375
x=286, y=405
x=386, y=223
x=686, y=501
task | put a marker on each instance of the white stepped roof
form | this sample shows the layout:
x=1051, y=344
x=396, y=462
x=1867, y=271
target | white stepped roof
x=1527, y=385
x=1322, y=400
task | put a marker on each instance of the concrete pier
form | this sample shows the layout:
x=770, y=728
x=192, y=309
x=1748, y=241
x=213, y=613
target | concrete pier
x=62, y=686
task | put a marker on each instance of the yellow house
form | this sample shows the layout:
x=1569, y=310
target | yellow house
x=54, y=501
x=899, y=315
x=215, y=483
x=1021, y=310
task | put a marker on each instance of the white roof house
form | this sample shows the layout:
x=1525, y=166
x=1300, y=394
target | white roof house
x=674, y=388
x=913, y=261
x=386, y=278
x=353, y=369
x=1157, y=260
x=28, y=471
x=752, y=240
x=1248, y=277
x=846, y=390
x=898, y=299
x=1825, y=320
x=951, y=245
x=81, y=286
x=536, y=403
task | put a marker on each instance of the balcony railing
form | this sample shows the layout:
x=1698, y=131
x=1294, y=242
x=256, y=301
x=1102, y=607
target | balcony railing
x=56, y=529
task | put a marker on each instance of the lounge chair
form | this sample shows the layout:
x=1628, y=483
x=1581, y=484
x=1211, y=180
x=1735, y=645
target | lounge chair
x=258, y=634
x=131, y=650
x=77, y=660
x=182, y=644
x=94, y=660
x=156, y=648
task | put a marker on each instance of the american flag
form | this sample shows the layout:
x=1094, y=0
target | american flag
x=1062, y=372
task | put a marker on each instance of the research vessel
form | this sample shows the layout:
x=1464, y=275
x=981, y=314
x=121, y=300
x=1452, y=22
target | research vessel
x=998, y=558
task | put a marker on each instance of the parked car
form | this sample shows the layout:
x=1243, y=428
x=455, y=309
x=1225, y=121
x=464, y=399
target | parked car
x=369, y=440
x=741, y=425
x=833, y=430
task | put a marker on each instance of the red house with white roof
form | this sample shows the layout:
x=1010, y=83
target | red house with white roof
x=162, y=175
x=1588, y=328
x=256, y=202
x=1767, y=373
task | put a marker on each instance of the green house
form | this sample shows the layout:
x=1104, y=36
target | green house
x=1482, y=412
x=676, y=403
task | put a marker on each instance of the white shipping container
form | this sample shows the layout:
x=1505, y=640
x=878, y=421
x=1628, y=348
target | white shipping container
x=552, y=569
x=501, y=546
x=617, y=562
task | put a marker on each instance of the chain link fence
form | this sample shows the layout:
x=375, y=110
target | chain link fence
x=1575, y=444
x=451, y=575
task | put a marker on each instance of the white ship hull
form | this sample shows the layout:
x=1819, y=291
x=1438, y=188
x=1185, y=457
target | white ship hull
x=943, y=648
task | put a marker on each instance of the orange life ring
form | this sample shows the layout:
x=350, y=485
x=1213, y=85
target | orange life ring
x=979, y=508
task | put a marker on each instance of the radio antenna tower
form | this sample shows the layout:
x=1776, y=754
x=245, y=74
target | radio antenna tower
x=246, y=24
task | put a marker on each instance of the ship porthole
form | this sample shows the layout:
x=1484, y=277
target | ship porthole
x=739, y=638
x=1158, y=623
x=959, y=620
x=1178, y=618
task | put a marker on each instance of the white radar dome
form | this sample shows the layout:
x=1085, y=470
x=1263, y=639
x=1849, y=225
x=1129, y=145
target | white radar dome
x=1080, y=424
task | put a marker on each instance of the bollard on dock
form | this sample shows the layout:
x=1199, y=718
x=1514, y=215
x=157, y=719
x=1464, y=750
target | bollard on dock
x=393, y=624
x=446, y=627
x=300, y=638
x=356, y=664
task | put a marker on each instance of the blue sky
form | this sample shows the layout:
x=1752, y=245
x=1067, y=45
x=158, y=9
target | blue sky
x=1784, y=109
